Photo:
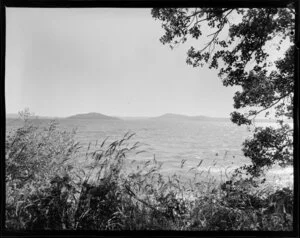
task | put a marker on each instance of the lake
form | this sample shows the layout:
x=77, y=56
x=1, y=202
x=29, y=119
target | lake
x=217, y=143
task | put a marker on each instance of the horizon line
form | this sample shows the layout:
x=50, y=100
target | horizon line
x=177, y=114
x=167, y=113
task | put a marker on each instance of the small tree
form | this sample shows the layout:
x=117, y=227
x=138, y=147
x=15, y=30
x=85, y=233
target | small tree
x=239, y=51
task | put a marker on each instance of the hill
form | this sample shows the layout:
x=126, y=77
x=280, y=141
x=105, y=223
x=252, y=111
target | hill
x=172, y=116
x=92, y=115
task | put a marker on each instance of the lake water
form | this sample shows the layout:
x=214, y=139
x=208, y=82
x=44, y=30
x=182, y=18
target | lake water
x=217, y=143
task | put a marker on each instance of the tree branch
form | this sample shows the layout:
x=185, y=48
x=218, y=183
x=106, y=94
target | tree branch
x=268, y=107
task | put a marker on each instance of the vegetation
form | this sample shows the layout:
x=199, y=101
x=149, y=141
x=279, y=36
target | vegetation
x=46, y=190
x=238, y=45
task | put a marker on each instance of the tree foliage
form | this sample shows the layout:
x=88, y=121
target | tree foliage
x=237, y=45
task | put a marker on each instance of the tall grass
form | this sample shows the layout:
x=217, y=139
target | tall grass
x=46, y=189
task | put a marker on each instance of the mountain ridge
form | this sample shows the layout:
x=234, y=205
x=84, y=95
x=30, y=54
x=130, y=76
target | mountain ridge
x=166, y=116
x=92, y=115
x=173, y=116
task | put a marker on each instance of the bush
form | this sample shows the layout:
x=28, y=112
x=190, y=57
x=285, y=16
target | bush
x=35, y=156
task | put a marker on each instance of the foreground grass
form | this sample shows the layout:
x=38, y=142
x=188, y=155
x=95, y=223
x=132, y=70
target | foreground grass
x=45, y=189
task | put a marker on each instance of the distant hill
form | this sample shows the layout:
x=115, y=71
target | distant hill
x=92, y=115
x=171, y=116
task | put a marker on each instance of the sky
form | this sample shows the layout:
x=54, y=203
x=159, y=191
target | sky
x=61, y=62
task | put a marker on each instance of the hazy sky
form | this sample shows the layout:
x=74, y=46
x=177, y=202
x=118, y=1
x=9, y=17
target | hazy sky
x=61, y=62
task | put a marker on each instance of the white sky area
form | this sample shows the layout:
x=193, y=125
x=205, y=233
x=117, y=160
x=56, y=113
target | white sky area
x=61, y=62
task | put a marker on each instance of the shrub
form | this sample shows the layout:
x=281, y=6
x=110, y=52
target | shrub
x=35, y=156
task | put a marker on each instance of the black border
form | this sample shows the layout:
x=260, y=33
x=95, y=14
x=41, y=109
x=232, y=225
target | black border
x=146, y=4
